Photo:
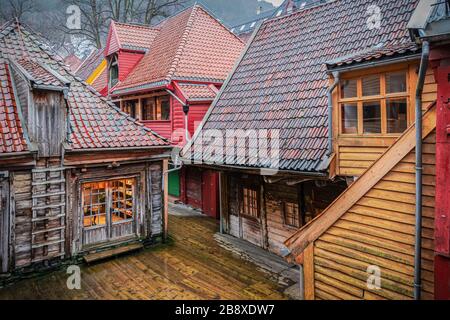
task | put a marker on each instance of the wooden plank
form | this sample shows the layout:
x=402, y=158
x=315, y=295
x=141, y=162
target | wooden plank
x=165, y=167
x=308, y=272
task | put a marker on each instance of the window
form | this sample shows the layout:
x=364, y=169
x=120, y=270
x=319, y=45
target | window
x=292, y=214
x=374, y=104
x=129, y=106
x=250, y=202
x=98, y=197
x=156, y=108
x=113, y=72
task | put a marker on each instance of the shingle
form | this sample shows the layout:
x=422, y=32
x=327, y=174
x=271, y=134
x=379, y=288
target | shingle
x=94, y=122
x=281, y=81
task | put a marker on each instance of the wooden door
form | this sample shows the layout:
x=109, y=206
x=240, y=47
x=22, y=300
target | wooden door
x=4, y=224
x=109, y=210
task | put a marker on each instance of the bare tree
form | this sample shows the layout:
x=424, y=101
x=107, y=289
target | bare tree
x=15, y=9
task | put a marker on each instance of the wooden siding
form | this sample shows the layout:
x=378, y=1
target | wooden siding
x=356, y=154
x=4, y=224
x=379, y=230
x=196, y=114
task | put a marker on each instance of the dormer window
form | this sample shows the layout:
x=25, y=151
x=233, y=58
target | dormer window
x=113, y=72
x=374, y=104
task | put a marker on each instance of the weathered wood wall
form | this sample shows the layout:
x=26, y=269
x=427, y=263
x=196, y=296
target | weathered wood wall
x=4, y=224
x=270, y=230
x=379, y=230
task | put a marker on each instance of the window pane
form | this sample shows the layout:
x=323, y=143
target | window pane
x=149, y=109
x=396, y=115
x=250, y=202
x=371, y=86
x=165, y=110
x=349, y=115
x=372, y=117
x=94, y=204
x=396, y=82
x=122, y=200
x=348, y=89
x=291, y=214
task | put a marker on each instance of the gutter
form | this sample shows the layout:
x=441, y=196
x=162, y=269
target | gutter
x=419, y=170
x=330, y=112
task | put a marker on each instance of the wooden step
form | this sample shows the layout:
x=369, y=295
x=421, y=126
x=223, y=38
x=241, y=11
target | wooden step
x=92, y=257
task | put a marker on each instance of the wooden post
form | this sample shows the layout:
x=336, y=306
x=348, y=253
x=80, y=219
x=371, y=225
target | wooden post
x=308, y=272
x=224, y=210
x=166, y=197
x=262, y=206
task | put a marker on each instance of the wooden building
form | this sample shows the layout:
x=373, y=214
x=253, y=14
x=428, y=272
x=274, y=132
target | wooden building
x=77, y=175
x=166, y=76
x=386, y=223
x=342, y=95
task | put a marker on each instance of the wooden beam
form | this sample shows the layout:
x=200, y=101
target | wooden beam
x=406, y=143
x=262, y=208
x=166, y=198
x=308, y=272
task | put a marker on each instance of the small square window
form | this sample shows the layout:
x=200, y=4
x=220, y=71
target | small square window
x=372, y=117
x=292, y=215
x=348, y=89
x=250, y=202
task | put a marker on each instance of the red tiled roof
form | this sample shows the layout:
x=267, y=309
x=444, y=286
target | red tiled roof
x=101, y=82
x=281, y=81
x=190, y=45
x=95, y=123
x=73, y=62
x=11, y=132
x=90, y=64
x=198, y=91
x=133, y=36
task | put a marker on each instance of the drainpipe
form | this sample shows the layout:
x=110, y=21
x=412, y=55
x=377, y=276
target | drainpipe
x=185, y=111
x=330, y=112
x=419, y=169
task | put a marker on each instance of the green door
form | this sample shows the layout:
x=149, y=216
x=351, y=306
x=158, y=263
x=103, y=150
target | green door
x=174, y=183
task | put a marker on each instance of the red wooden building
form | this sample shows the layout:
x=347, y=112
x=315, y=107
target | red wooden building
x=166, y=76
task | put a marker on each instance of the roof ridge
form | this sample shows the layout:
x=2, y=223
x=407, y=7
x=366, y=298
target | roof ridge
x=135, y=24
x=182, y=43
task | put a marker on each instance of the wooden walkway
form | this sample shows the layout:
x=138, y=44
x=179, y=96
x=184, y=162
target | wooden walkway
x=194, y=267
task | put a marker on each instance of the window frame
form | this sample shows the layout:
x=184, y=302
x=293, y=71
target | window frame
x=109, y=201
x=255, y=189
x=382, y=98
x=158, y=97
x=299, y=214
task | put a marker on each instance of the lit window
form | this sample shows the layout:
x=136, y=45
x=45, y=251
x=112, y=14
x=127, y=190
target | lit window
x=117, y=195
x=374, y=104
x=250, y=202
x=292, y=214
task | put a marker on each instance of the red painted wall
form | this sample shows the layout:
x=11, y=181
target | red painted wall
x=442, y=214
x=127, y=62
x=196, y=114
x=163, y=128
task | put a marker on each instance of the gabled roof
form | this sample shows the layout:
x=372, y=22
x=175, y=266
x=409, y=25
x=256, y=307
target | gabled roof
x=12, y=138
x=130, y=36
x=281, y=81
x=90, y=64
x=95, y=123
x=38, y=73
x=73, y=62
x=191, y=45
